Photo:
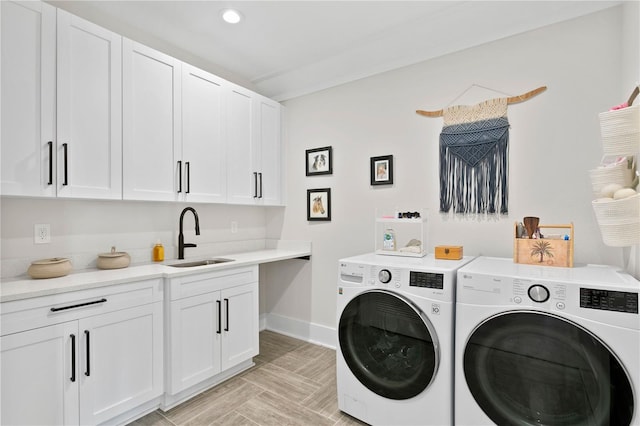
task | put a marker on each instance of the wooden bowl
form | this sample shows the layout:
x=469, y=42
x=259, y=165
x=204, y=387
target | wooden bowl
x=49, y=268
x=113, y=260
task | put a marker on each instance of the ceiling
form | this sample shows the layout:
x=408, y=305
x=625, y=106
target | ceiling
x=285, y=49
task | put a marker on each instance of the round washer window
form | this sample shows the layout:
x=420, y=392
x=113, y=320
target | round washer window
x=531, y=368
x=388, y=344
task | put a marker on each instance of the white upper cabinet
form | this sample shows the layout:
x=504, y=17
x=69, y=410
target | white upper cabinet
x=269, y=151
x=152, y=167
x=61, y=104
x=203, y=154
x=254, y=149
x=89, y=120
x=89, y=114
x=28, y=37
x=242, y=187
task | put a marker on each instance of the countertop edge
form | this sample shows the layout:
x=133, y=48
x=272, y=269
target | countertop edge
x=27, y=288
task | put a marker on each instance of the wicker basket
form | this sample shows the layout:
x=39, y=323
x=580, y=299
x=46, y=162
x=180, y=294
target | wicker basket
x=619, y=221
x=603, y=176
x=620, y=131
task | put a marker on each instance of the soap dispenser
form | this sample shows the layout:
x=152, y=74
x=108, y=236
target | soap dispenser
x=158, y=252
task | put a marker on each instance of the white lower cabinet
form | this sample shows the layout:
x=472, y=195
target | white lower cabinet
x=212, y=325
x=81, y=358
x=39, y=383
x=121, y=350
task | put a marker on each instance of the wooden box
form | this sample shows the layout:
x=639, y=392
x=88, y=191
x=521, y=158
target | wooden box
x=449, y=252
x=545, y=251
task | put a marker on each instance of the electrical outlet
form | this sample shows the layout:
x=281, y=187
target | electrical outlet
x=234, y=227
x=42, y=233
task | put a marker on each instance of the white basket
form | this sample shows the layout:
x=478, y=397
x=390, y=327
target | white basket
x=603, y=176
x=619, y=221
x=620, y=131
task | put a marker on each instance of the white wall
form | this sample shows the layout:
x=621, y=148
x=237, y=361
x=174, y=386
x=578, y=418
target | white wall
x=554, y=141
x=81, y=229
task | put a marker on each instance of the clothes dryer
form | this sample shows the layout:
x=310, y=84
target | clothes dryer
x=538, y=345
x=394, y=356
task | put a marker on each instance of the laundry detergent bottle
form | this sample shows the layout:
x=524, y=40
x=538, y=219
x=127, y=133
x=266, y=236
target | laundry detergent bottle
x=389, y=240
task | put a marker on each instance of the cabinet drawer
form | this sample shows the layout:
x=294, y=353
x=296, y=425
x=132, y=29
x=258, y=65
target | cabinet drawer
x=192, y=285
x=36, y=312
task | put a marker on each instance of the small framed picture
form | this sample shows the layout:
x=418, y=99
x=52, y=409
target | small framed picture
x=319, y=161
x=319, y=204
x=382, y=170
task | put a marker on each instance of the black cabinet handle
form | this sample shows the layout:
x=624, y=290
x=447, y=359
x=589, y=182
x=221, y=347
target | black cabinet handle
x=88, y=372
x=66, y=176
x=179, y=176
x=260, y=174
x=50, y=143
x=73, y=357
x=219, y=331
x=188, y=176
x=63, y=308
x=255, y=184
x=226, y=307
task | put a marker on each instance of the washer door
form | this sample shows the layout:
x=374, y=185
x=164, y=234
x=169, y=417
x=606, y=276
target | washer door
x=529, y=368
x=388, y=344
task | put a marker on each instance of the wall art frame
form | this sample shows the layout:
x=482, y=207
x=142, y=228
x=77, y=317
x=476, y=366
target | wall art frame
x=382, y=170
x=319, y=204
x=319, y=161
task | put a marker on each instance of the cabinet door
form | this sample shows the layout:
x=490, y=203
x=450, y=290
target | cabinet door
x=269, y=135
x=89, y=113
x=203, y=143
x=240, y=325
x=122, y=362
x=242, y=179
x=28, y=39
x=195, y=340
x=151, y=124
x=39, y=382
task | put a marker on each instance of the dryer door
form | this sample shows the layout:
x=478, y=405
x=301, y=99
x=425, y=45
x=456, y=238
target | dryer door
x=531, y=368
x=389, y=344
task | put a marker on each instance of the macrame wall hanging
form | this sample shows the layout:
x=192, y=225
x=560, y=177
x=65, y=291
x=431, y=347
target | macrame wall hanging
x=474, y=153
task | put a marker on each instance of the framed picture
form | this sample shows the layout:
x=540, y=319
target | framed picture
x=319, y=204
x=319, y=161
x=382, y=170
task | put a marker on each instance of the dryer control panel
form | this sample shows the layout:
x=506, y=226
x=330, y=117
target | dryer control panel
x=617, y=301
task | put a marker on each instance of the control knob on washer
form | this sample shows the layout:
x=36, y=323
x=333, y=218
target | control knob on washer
x=538, y=293
x=384, y=276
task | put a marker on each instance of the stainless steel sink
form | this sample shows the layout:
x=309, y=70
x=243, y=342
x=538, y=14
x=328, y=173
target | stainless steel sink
x=201, y=263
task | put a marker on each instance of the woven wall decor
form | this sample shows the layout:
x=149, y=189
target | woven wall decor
x=474, y=154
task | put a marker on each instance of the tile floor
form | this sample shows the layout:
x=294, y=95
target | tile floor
x=292, y=383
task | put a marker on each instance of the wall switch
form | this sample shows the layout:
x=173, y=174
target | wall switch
x=42, y=233
x=234, y=227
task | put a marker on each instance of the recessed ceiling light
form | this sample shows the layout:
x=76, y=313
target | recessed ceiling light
x=231, y=16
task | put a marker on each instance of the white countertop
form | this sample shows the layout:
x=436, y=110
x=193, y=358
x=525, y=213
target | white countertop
x=25, y=287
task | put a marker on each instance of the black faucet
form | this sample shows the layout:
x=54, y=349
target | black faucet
x=181, y=243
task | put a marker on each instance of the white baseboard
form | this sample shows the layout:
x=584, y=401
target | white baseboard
x=303, y=330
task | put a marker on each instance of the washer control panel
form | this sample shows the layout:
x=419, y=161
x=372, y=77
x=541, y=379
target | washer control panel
x=426, y=280
x=384, y=276
x=407, y=279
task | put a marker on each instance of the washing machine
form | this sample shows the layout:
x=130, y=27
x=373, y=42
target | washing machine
x=394, y=357
x=542, y=345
